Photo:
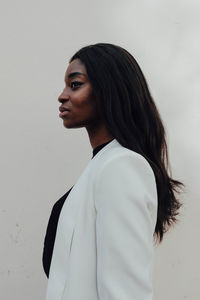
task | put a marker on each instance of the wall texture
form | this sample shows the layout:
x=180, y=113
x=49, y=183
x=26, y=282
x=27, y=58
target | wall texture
x=40, y=160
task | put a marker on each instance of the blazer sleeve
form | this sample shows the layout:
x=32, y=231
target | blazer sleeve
x=126, y=211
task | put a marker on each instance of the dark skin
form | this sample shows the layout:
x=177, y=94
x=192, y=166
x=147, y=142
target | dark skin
x=78, y=97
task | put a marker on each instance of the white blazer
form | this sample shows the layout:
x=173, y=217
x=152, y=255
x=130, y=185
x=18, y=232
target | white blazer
x=104, y=246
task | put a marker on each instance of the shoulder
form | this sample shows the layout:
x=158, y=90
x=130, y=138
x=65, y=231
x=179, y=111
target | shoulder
x=126, y=182
x=126, y=172
x=121, y=162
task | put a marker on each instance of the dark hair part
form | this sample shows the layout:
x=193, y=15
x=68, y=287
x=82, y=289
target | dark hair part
x=131, y=116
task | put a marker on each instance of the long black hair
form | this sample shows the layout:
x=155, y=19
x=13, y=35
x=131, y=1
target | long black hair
x=130, y=115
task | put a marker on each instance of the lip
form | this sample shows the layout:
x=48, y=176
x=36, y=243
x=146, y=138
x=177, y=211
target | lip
x=64, y=113
x=62, y=108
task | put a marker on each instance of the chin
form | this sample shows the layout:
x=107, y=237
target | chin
x=71, y=125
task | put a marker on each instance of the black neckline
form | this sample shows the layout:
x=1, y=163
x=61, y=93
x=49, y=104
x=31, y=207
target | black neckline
x=99, y=147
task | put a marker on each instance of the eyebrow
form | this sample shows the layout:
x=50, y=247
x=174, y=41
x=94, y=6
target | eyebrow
x=75, y=74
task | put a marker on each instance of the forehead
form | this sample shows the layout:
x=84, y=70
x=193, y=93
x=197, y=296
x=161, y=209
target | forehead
x=76, y=66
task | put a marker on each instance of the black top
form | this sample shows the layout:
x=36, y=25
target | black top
x=53, y=221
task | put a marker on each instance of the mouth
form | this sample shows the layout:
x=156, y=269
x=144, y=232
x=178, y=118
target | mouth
x=62, y=109
x=64, y=113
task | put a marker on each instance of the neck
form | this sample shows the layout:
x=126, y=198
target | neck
x=98, y=135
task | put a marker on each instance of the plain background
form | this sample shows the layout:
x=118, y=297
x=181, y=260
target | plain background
x=40, y=159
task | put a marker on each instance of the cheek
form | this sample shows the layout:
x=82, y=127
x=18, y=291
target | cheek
x=88, y=109
x=85, y=101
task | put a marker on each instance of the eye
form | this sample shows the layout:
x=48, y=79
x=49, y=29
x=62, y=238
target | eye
x=75, y=84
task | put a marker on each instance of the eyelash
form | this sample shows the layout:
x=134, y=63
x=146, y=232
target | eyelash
x=75, y=82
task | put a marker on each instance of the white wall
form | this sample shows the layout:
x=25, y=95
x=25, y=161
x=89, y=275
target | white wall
x=40, y=159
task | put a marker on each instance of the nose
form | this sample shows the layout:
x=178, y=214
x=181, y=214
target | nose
x=63, y=97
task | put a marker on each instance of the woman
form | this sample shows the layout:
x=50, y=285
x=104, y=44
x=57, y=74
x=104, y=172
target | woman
x=124, y=201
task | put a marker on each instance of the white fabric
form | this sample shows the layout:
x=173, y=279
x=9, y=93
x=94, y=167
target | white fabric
x=104, y=243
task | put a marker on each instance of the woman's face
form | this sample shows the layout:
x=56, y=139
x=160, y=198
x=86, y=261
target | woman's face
x=78, y=97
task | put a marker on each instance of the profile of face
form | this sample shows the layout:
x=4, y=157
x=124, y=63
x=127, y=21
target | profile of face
x=78, y=97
